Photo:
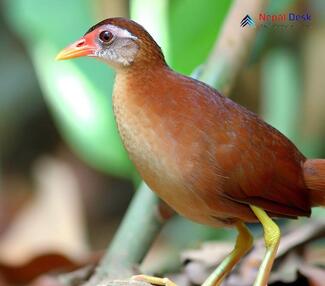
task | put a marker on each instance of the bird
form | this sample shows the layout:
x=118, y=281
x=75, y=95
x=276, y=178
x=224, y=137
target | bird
x=210, y=159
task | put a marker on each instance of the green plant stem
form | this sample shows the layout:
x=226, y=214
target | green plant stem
x=231, y=51
x=281, y=92
x=134, y=237
x=153, y=16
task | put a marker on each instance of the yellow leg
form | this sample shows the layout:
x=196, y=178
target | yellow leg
x=243, y=244
x=272, y=238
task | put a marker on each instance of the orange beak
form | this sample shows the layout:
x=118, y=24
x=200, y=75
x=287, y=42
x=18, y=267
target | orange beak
x=80, y=48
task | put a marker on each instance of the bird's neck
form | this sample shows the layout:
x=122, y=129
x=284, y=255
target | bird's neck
x=137, y=91
x=139, y=80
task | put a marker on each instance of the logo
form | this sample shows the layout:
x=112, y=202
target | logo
x=291, y=17
x=247, y=20
x=281, y=21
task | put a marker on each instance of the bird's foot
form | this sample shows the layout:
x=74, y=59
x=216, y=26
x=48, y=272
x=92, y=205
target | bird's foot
x=154, y=280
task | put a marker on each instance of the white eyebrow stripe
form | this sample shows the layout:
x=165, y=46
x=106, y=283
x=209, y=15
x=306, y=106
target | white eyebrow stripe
x=121, y=33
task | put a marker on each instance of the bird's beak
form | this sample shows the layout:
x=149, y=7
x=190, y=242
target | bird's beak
x=80, y=48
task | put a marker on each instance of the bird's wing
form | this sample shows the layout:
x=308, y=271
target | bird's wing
x=244, y=158
x=264, y=168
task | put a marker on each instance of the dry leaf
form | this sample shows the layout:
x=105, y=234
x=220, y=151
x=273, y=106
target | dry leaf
x=53, y=222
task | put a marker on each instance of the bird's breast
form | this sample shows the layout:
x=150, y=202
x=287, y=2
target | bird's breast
x=143, y=138
x=157, y=155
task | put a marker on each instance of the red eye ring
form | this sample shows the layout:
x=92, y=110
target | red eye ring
x=106, y=36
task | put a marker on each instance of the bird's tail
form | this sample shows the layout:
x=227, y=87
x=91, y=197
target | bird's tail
x=314, y=174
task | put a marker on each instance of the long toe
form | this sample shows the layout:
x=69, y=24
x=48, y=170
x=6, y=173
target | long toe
x=154, y=280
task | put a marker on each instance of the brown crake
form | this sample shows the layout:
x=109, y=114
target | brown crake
x=209, y=158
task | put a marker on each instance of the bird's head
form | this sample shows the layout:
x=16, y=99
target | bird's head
x=117, y=41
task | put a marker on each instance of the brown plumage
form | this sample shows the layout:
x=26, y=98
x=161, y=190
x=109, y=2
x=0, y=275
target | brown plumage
x=205, y=155
x=223, y=155
x=208, y=157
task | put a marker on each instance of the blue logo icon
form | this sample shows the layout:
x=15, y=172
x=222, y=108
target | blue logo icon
x=247, y=20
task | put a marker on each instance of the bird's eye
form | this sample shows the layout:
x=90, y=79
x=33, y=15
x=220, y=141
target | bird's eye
x=106, y=36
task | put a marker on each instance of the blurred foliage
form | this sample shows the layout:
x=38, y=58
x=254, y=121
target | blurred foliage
x=18, y=88
x=153, y=15
x=75, y=92
x=193, y=28
x=281, y=102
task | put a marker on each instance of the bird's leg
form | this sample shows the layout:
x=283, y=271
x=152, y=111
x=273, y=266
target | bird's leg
x=272, y=238
x=243, y=244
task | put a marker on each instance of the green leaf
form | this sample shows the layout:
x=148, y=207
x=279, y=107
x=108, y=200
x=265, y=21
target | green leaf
x=193, y=27
x=78, y=92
